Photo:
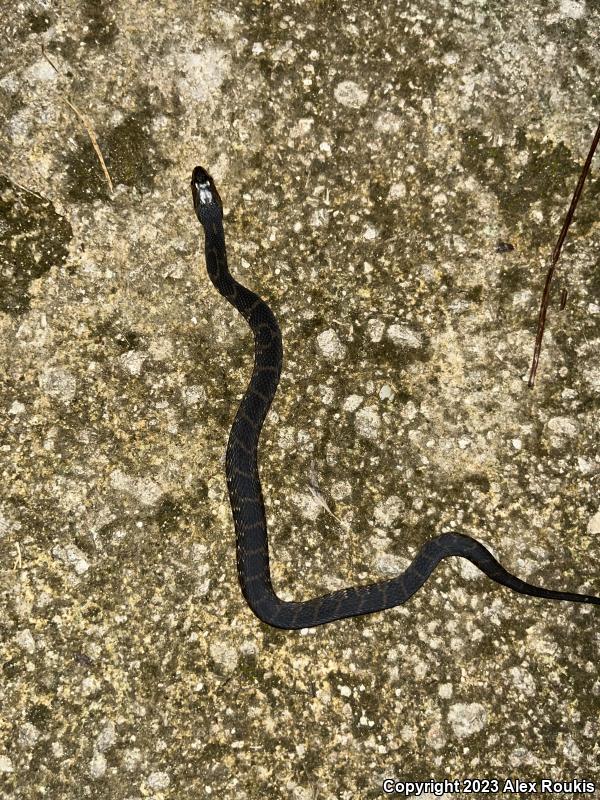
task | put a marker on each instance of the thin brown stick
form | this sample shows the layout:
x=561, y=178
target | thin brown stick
x=87, y=126
x=20, y=186
x=93, y=140
x=563, y=299
x=555, y=255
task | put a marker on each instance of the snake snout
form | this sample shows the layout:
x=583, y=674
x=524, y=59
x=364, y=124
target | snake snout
x=204, y=191
x=200, y=175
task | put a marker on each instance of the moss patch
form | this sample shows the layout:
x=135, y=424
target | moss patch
x=33, y=238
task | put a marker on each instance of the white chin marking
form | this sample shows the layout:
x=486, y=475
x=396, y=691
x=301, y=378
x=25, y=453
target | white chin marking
x=204, y=193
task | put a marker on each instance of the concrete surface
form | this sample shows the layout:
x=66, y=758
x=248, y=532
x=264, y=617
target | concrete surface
x=375, y=161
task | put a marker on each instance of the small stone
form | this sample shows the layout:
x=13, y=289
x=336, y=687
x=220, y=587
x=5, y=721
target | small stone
x=387, y=512
x=28, y=736
x=572, y=9
x=8, y=525
x=409, y=412
x=158, y=780
x=388, y=565
x=584, y=465
x=319, y=218
x=40, y=71
x=302, y=128
x=106, y=738
x=386, y=392
x=350, y=94
x=388, y=122
x=352, y=402
x=193, y=395
x=375, y=330
x=26, y=641
x=467, y=719
x=520, y=757
x=57, y=382
x=592, y=378
x=341, y=489
x=309, y=506
x=593, y=527
x=72, y=556
x=132, y=361
x=523, y=680
x=563, y=426
x=147, y=491
x=572, y=751
x=327, y=395
x=6, y=764
x=522, y=299
x=397, y=191
x=368, y=422
x=90, y=686
x=468, y=570
x=450, y=58
x=224, y=655
x=330, y=345
x=536, y=215
x=132, y=758
x=97, y=766
x=57, y=749
x=403, y=336
x=249, y=647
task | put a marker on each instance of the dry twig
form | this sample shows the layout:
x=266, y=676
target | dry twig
x=87, y=127
x=555, y=255
x=313, y=488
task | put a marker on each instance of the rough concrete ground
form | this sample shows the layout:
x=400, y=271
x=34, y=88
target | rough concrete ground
x=371, y=158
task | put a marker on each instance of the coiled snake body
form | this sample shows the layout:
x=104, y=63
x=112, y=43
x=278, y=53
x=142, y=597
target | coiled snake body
x=243, y=480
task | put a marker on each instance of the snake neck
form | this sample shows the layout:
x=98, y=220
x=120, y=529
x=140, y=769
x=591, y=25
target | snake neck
x=242, y=449
x=216, y=256
x=241, y=458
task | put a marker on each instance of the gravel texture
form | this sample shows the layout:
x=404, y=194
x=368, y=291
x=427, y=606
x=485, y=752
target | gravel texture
x=394, y=177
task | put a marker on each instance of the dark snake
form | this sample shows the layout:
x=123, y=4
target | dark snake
x=243, y=482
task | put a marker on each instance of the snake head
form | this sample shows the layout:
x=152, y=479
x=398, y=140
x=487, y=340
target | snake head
x=205, y=194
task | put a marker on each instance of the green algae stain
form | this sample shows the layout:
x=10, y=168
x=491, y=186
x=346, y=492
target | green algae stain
x=37, y=22
x=99, y=19
x=169, y=514
x=33, y=238
x=525, y=174
x=130, y=153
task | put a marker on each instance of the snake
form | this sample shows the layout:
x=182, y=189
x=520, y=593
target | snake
x=243, y=480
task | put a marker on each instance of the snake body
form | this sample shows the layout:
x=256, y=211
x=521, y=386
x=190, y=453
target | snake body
x=243, y=482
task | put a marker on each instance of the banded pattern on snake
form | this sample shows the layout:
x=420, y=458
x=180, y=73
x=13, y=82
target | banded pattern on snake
x=243, y=482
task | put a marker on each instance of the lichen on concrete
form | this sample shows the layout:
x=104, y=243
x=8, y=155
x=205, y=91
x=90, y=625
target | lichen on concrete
x=394, y=179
